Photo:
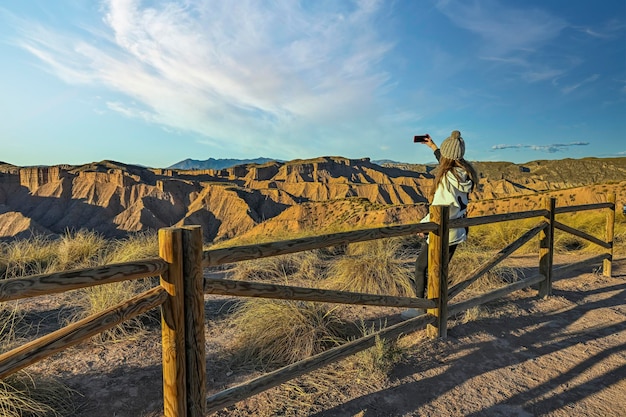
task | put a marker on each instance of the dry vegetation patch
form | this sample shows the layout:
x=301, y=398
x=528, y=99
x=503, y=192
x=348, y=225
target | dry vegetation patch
x=382, y=266
x=276, y=332
x=258, y=334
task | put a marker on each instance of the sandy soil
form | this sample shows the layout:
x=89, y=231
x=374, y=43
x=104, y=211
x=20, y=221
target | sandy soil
x=523, y=356
x=561, y=356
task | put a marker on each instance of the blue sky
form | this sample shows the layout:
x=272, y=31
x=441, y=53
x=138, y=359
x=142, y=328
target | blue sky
x=155, y=82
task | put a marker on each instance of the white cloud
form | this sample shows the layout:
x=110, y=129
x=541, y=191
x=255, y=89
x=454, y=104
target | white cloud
x=552, y=148
x=542, y=74
x=568, y=89
x=511, y=35
x=207, y=67
x=504, y=29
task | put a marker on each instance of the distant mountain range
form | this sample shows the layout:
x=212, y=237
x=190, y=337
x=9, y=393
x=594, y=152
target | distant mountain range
x=212, y=163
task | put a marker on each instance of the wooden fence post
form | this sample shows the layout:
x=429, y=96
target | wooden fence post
x=194, y=321
x=546, y=250
x=610, y=224
x=438, y=254
x=173, y=324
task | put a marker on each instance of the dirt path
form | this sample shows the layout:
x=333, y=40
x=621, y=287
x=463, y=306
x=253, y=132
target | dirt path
x=561, y=356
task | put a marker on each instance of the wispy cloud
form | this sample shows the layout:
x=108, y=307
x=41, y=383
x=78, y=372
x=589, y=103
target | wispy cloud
x=511, y=36
x=208, y=67
x=542, y=74
x=555, y=147
x=568, y=89
x=611, y=29
x=504, y=29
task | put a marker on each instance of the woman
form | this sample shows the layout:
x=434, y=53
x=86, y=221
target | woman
x=454, y=180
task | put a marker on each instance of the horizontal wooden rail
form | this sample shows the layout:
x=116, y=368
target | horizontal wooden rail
x=214, y=257
x=572, y=266
x=493, y=295
x=582, y=235
x=500, y=292
x=496, y=259
x=286, y=292
x=235, y=394
x=43, y=284
x=496, y=218
x=22, y=356
x=583, y=207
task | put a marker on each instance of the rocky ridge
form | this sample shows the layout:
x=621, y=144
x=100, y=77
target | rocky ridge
x=324, y=193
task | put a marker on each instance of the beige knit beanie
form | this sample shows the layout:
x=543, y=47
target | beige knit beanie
x=453, y=147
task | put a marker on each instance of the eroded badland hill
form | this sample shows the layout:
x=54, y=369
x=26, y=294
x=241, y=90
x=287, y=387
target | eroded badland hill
x=275, y=198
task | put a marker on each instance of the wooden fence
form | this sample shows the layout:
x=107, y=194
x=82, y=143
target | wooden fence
x=182, y=287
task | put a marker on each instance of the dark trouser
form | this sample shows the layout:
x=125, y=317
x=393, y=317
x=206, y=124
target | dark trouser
x=421, y=270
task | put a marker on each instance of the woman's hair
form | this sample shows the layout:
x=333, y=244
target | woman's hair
x=446, y=165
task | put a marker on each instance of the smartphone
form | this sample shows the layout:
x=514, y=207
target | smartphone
x=420, y=138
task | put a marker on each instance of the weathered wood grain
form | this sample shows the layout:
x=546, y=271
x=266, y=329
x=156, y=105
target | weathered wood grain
x=194, y=321
x=22, y=356
x=287, y=292
x=562, y=270
x=546, y=249
x=496, y=259
x=235, y=394
x=43, y=284
x=581, y=234
x=582, y=207
x=495, y=218
x=493, y=295
x=609, y=234
x=214, y=257
x=437, y=285
x=173, y=324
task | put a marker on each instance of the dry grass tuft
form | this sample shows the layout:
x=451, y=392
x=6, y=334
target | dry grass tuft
x=498, y=235
x=92, y=300
x=81, y=249
x=470, y=256
x=337, y=382
x=375, y=267
x=473, y=314
x=11, y=325
x=376, y=362
x=22, y=394
x=26, y=257
x=307, y=266
x=140, y=245
x=276, y=333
